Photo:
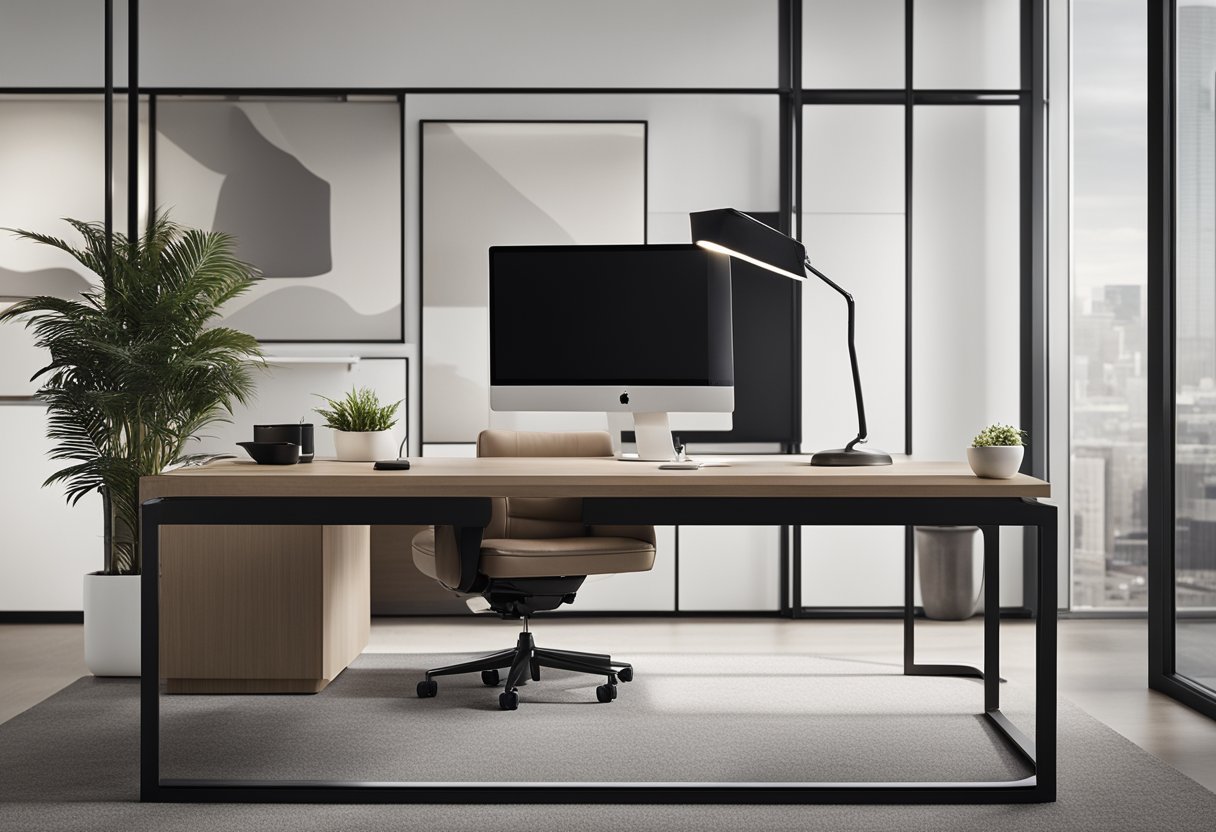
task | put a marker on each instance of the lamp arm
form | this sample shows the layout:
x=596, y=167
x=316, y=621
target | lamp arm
x=861, y=407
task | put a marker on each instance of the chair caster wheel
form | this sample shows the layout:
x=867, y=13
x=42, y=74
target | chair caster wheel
x=490, y=677
x=535, y=672
x=625, y=674
x=427, y=688
x=508, y=700
x=605, y=693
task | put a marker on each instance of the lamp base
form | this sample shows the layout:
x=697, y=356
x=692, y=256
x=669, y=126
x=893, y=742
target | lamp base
x=851, y=456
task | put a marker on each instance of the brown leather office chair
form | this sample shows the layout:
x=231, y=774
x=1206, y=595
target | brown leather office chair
x=535, y=554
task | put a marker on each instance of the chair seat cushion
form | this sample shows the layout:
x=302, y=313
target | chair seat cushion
x=560, y=556
x=547, y=558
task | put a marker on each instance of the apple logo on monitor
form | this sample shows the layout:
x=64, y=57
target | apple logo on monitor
x=625, y=397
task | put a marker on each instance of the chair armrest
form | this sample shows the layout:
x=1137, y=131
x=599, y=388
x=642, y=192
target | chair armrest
x=457, y=556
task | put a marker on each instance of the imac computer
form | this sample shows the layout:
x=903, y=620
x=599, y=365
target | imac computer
x=639, y=329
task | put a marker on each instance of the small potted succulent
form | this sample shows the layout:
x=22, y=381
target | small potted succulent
x=362, y=426
x=996, y=451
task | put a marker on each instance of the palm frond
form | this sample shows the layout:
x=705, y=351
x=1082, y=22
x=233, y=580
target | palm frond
x=136, y=367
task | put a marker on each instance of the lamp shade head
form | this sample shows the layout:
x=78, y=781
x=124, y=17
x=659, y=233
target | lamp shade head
x=738, y=235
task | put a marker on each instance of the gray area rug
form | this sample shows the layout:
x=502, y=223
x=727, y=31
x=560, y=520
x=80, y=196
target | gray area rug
x=71, y=762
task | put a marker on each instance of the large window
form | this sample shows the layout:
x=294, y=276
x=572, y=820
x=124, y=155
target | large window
x=1109, y=362
x=1195, y=344
x=1182, y=350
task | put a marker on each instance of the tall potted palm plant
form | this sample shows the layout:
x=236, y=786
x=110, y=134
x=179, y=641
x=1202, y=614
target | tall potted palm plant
x=137, y=368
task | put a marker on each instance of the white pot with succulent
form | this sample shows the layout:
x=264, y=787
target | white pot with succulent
x=363, y=428
x=996, y=452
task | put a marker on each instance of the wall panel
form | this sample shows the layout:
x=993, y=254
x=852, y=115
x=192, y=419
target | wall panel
x=965, y=288
x=47, y=546
x=729, y=568
x=853, y=44
x=461, y=43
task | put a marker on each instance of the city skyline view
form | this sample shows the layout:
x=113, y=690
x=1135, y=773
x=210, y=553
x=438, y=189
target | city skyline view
x=1109, y=319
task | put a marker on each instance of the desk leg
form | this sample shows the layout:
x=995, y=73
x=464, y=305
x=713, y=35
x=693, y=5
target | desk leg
x=992, y=617
x=909, y=612
x=149, y=683
x=911, y=668
x=1045, y=658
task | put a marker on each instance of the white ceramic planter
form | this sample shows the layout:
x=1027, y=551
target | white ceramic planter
x=365, y=446
x=111, y=624
x=999, y=462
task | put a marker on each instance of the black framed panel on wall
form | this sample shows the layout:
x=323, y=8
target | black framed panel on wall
x=916, y=190
x=311, y=188
x=1182, y=354
x=485, y=183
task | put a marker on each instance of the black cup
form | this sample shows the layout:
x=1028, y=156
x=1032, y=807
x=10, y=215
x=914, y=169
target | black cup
x=300, y=433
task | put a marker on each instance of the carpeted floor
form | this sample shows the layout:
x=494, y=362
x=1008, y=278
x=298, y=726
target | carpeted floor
x=72, y=761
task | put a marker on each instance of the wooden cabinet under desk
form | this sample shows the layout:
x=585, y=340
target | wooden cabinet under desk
x=262, y=609
x=282, y=609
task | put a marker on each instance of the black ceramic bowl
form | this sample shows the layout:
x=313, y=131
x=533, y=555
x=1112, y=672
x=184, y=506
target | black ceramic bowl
x=273, y=453
x=298, y=432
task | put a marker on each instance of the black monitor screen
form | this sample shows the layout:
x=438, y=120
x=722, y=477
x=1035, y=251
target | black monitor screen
x=610, y=315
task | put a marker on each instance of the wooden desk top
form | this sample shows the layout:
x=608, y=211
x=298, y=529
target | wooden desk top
x=756, y=476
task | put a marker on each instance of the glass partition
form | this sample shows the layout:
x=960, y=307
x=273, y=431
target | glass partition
x=1195, y=346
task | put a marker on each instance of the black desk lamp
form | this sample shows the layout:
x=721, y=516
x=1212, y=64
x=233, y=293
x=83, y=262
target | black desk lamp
x=738, y=235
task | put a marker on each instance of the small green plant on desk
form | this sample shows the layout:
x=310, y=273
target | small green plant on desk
x=996, y=451
x=359, y=411
x=999, y=436
x=361, y=425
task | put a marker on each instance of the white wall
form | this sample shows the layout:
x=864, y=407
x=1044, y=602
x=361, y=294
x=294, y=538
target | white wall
x=394, y=43
x=965, y=288
x=729, y=568
x=46, y=151
x=966, y=44
x=47, y=546
x=538, y=43
x=856, y=44
x=55, y=43
x=853, y=228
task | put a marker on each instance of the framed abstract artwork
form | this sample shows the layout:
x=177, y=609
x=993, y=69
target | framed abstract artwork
x=487, y=183
x=311, y=189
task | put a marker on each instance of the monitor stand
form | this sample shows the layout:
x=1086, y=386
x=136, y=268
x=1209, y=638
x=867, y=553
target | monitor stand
x=652, y=432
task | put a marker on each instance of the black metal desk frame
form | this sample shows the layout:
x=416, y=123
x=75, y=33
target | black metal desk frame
x=471, y=514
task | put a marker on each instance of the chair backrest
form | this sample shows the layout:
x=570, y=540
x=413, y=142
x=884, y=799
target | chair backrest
x=536, y=518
